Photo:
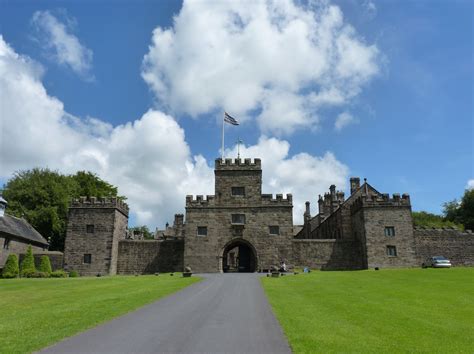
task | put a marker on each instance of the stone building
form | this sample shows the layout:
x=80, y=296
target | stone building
x=240, y=229
x=16, y=234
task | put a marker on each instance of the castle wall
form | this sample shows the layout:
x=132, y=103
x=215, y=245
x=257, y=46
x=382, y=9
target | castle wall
x=326, y=254
x=455, y=245
x=203, y=253
x=150, y=256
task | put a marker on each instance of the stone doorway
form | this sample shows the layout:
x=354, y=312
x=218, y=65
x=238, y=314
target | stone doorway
x=238, y=256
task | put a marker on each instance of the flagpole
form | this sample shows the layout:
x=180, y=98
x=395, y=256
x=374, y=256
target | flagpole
x=222, y=151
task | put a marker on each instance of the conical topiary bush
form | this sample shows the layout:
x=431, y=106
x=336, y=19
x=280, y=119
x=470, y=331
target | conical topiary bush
x=27, y=267
x=11, y=267
x=45, y=265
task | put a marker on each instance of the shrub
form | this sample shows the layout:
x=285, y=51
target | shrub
x=11, y=267
x=58, y=274
x=73, y=274
x=28, y=273
x=45, y=265
x=28, y=264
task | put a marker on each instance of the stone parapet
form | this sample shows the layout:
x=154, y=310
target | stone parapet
x=269, y=200
x=238, y=164
x=200, y=201
x=383, y=200
x=100, y=203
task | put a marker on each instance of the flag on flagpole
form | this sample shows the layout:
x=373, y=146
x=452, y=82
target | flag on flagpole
x=229, y=119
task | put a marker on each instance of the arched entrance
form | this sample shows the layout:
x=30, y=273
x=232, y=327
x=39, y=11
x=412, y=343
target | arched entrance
x=238, y=256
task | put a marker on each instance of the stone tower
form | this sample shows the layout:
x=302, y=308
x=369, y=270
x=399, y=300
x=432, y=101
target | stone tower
x=94, y=229
x=384, y=227
x=238, y=228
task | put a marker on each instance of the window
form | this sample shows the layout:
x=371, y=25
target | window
x=6, y=244
x=238, y=218
x=389, y=231
x=274, y=230
x=87, y=258
x=90, y=229
x=238, y=191
x=202, y=230
x=391, y=251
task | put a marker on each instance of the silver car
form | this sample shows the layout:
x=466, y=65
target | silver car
x=437, y=262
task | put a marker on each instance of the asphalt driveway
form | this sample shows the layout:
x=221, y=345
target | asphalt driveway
x=225, y=313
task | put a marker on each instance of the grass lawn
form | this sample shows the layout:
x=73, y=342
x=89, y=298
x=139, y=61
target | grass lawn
x=406, y=310
x=35, y=313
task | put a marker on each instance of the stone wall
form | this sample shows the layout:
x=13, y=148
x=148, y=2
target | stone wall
x=455, y=245
x=107, y=220
x=55, y=257
x=15, y=246
x=150, y=256
x=326, y=254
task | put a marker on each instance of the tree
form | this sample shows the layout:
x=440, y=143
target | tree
x=28, y=264
x=422, y=218
x=11, y=269
x=43, y=196
x=45, y=265
x=461, y=212
x=143, y=230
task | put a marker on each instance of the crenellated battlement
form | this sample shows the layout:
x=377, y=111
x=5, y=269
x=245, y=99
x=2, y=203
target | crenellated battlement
x=382, y=200
x=100, y=203
x=236, y=164
x=208, y=200
x=268, y=199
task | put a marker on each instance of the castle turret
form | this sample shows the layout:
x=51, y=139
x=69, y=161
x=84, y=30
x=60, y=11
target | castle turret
x=95, y=226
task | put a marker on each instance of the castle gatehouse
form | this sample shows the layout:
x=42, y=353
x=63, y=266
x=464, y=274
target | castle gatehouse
x=239, y=229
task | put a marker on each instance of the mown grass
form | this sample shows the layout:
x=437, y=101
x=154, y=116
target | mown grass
x=386, y=311
x=35, y=313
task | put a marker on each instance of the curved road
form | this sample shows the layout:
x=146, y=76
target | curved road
x=223, y=313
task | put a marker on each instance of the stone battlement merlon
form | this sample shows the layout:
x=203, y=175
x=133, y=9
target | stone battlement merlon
x=238, y=164
x=269, y=199
x=382, y=200
x=102, y=202
x=200, y=200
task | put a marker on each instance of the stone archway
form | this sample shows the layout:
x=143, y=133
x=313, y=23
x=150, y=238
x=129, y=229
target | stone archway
x=238, y=255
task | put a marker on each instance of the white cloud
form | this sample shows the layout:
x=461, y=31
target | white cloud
x=343, y=120
x=279, y=60
x=61, y=45
x=303, y=175
x=148, y=159
x=470, y=184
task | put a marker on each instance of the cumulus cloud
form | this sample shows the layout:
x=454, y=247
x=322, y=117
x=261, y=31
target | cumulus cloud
x=61, y=45
x=303, y=175
x=470, y=184
x=148, y=159
x=343, y=120
x=280, y=61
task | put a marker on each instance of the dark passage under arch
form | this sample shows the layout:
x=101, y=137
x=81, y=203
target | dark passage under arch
x=239, y=256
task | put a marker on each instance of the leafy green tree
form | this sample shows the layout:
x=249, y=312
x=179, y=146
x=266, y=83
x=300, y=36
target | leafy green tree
x=45, y=265
x=43, y=196
x=461, y=212
x=28, y=264
x=11, y=269
x=422, y=218
x=143, y=230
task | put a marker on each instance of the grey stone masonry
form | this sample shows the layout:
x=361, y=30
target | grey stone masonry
x=385, y=228
x=205, y=253
x=95, y=226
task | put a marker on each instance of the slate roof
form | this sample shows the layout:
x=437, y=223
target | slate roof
x=19, y=228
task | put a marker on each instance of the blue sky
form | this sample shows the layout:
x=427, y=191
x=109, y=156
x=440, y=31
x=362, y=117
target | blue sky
x=135, y=91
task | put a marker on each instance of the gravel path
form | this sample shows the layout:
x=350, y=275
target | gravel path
x=224, y=313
